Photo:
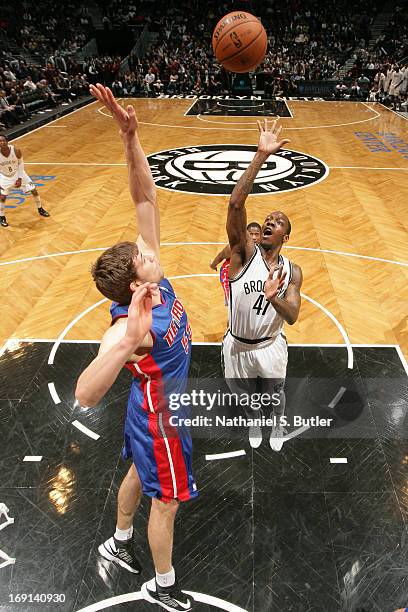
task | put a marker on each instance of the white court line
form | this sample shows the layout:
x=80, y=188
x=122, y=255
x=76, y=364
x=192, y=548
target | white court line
x=56, y=126
x=402, y=357
x=7, y=560
x=391, y=110
x=221, y=604
x=4, y=348
x=53, y=393
x=294, y=344
x=7, y=263
x=308, y=127
x=68, y=327
x=346, y=254
x=365, y=168
x=33, y=458
x=338, y=459
x=296, y=432
x=163, y=244
x=124, y=164
x=189, y=127
x=85, y=430
x=339, y=327
x=189, y=108
x=337, y=397
x=53, y=121
x=306, y=345
x=112, y=601
x=228, y=455
x=71, y=164
x=240, y=105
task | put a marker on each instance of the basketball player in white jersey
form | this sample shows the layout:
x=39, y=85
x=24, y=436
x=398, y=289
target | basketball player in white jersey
x=264, y=293
x=12, y=176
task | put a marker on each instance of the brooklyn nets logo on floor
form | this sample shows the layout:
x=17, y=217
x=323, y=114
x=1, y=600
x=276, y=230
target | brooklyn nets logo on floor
x=215, y=169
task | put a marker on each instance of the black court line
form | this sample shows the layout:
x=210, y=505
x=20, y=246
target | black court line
x=270, y=531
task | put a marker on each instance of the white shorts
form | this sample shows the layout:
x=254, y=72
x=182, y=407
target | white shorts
x=267, y=359
x=7, y=183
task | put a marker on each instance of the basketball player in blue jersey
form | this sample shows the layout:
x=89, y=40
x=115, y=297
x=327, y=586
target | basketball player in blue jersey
x=264, y=293
x=150, y=335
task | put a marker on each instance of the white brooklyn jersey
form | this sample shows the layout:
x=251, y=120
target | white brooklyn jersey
x=250, y=315
x=9, y=165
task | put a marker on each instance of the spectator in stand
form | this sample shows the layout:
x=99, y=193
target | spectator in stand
x=14, y=99
x=45, y=92
x=10, y=76
x=117, y=87
x=149, y=80
x=158, y=87
x=341, y=90
x=355, y=91
x=29, y=84
x=8, y=113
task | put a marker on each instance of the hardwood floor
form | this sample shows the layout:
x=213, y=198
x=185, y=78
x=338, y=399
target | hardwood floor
x=343, y=226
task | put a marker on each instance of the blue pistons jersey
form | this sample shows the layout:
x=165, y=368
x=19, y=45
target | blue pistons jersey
x=160, y=451
x=165, y=369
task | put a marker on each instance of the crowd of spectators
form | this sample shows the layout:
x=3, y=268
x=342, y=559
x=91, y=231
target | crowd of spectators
x=39, y=28
x=116, y=13
x=307, y=41
x=384, y=66
x=25, y=88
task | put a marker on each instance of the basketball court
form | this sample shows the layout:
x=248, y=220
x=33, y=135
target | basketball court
x=318, y=526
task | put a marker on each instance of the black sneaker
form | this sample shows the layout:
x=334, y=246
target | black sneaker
x=3, y=222
x=121, y=553
x=43, y=212
x=169, y=598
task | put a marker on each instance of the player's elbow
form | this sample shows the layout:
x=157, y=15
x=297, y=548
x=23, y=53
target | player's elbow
x=292, y=318
x=83, y=397
x=234, y=204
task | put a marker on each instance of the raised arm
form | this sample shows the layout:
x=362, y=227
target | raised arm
x=141, y=184
x=240, y=242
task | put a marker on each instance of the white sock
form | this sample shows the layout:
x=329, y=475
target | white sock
x=37, y=201
x=166, y=580
x=1, y=209
x=123, y=534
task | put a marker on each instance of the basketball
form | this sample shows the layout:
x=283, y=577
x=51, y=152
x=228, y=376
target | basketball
x=239, y=41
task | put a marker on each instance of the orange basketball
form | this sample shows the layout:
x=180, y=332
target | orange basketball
x=239, y=41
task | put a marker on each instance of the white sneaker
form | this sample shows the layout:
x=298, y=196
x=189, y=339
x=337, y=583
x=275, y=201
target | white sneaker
x=276, y=438
x=255, y=436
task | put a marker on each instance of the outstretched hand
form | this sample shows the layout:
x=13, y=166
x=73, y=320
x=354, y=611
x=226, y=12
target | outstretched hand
x=269, y=138
x=126, y=119
x=139, y=319
x=274, y=283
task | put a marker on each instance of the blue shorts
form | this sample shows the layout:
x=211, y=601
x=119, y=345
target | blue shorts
x=162, y=455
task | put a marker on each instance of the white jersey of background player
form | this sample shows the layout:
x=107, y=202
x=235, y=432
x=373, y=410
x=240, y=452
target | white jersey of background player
x=264, y=292
x=12, y=176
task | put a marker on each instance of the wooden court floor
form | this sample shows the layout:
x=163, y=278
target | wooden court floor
x=349, y=230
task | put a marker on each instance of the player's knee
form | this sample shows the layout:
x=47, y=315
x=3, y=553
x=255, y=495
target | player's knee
x=165, y=508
